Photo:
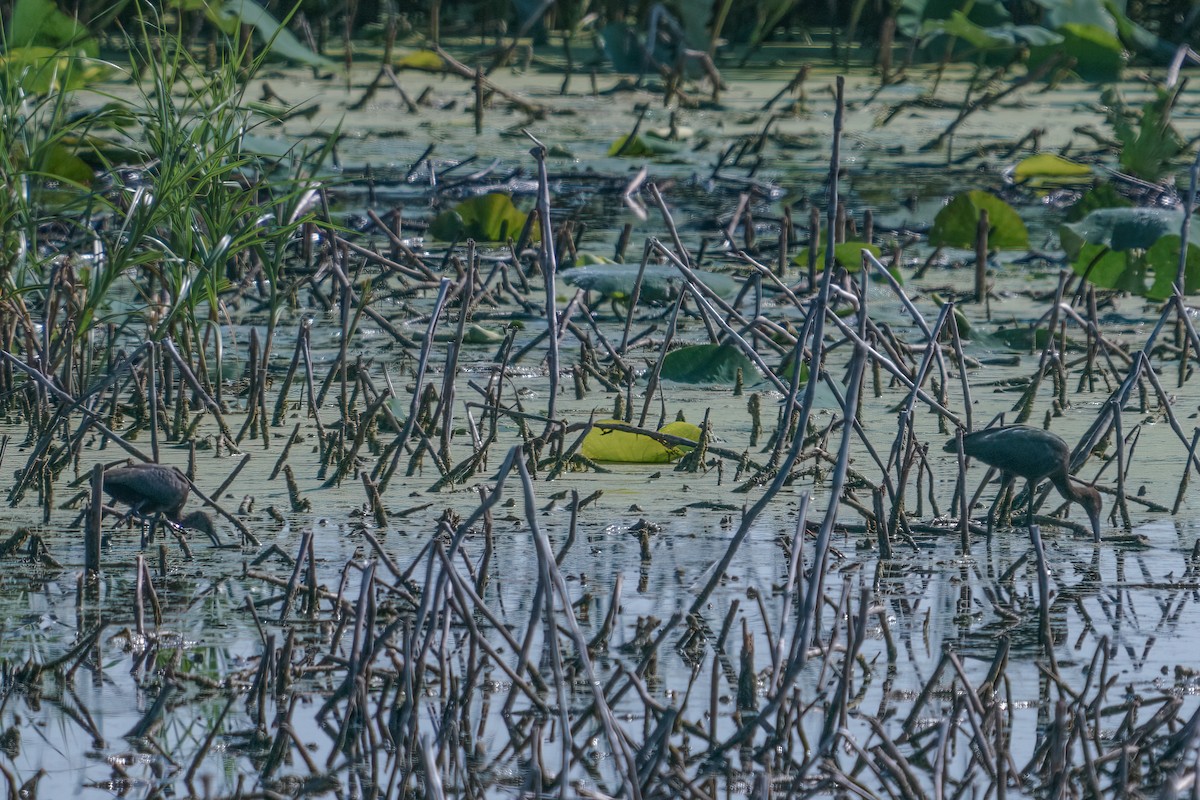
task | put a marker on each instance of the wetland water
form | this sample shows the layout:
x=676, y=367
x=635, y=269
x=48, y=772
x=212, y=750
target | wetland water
x=380, y=685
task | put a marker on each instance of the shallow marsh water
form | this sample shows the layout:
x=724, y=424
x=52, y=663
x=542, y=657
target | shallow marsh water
x=1141, y=604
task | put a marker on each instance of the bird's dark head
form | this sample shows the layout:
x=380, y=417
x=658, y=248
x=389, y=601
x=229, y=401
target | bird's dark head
x=951, y=446
x=199, y=521
x=1089, y=498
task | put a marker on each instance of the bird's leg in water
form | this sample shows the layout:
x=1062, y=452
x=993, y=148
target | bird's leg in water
x=1029, y=487
x=1006, y=482
x=1007, y=498
x=155, y=521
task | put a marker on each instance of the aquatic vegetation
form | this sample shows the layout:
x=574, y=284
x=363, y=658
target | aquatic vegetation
x=463, y=551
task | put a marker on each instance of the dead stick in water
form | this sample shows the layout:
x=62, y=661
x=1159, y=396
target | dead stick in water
x=91, y=538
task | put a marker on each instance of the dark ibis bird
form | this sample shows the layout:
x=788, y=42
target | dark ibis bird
x=1032, y=454
x=156, y=489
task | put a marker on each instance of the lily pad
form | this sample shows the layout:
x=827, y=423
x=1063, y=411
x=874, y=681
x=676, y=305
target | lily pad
x=1098, y=53
x=473, y=333
x=1112, y=269
x=489, y=218
x=424, y=60
x=643, y=146
x=1047, y=168
x=955, y=224
x=708, y=363
x=785, y=370
x=1023, y=338
x=1163, y=259
x=1120, y=228
x=635, y=448
x=847, y=255
x=992, y=37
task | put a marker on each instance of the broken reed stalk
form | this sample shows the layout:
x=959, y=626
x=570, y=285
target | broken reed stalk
x=95, y=521
x=704, y=297
x=549, y=264
x=982, y=228
x=383, y=474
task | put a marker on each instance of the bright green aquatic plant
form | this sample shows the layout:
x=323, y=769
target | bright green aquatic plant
x=956, y=224
x=489, y=218
x=708, y=364
x=631, y=447
x=1131, y=249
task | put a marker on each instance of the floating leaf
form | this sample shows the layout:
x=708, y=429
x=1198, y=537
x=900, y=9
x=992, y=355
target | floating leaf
x=660, y=283
x=1047, y=168
x=993, y=37
x=955, y=224
x=583, y=259
x=1163, y=259
x=1024, y=339
x=643, y=146
x=489, y=218
x=635, y=448
x=1120, y=228
x=847, y=255
x=472, y=334
x=1098, y=54
x=708, y=363
x=1111, y=269
x=424, y=60
x=784, y=373
x=960, y=319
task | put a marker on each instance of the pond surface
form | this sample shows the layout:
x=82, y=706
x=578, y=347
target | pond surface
x=1127, y=604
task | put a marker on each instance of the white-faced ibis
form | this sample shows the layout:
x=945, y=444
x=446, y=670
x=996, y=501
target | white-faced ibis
x=1032, y=454
x=156, y=489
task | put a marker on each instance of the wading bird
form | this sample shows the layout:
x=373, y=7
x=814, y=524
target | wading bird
x=156, y=489
x=1032, y=454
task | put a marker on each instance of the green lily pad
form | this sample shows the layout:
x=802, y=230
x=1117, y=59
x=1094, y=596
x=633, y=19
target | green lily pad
x=635, y=448
x=489, y=218
x=1023, y=338
x=643, y=146
x=785, y=371
x=708, y=363
x=584, y=259
x=472, y=334
x=847, y=255
x=1120, y=228
x=424, y=60
x=991, y=37
x=955, y=224
x=1047, y=168
x=1112, y=269
x=1163, y=259
x=1098, y=53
